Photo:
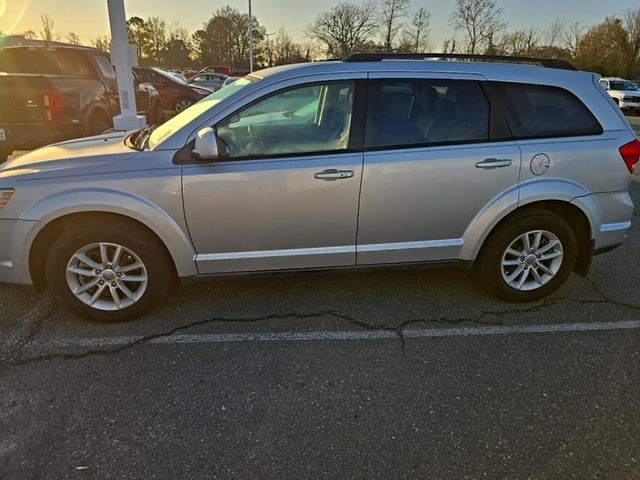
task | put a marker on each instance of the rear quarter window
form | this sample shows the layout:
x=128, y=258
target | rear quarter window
x=537, y=111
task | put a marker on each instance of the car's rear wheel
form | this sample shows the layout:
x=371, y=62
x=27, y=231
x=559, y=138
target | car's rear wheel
x=528, y=257
x=108, y=273
x=181, y=104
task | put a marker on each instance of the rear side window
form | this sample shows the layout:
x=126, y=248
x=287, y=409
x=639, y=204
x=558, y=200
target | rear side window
x=536, y=111
x=44, y=61
x=104, y=64
x=404, y=113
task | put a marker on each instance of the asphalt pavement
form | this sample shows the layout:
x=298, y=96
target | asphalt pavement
x=405, y=374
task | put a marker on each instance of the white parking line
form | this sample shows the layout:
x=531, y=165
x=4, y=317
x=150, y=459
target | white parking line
x=115, y=342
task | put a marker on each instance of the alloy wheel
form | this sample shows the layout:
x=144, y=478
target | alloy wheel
x=532, y=260
x=107, y=276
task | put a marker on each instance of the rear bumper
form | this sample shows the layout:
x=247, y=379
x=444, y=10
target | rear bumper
x=610, y=217
x=29, y=137
x=15, y=238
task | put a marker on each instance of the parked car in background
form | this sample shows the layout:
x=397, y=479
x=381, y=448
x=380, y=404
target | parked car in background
x=624, y=92
x=336, y=165
x=54, y=93
x=214, y=81
x=176, y=95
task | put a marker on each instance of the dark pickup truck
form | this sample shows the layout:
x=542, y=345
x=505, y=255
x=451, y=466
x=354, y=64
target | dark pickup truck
x=50, y=94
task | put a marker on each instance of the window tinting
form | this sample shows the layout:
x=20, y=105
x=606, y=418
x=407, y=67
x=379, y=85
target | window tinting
x=423, y=112
x=306, y=119
x=44, y=61
x=542, y=111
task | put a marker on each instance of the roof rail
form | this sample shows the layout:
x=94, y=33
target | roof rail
x=378, y=57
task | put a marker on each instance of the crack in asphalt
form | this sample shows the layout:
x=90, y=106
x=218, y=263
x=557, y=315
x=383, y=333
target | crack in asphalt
x=34, y=322
x=31, y=325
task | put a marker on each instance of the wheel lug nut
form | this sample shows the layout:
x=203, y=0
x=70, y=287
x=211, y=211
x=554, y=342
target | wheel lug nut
x=101, y=282
x=113, y=284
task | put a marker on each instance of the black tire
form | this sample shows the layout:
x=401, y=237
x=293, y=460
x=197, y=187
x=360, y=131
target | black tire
x=490, y=262
x=159, y=268
x=96, y=126
x=182, y=100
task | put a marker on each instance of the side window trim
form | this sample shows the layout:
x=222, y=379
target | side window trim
x=356, y=135
x=502, y=132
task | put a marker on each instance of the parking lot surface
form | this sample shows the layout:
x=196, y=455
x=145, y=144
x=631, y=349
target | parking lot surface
x=403, y=374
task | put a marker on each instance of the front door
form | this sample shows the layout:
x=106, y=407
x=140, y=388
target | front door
x=434, y=161
x=284, y=194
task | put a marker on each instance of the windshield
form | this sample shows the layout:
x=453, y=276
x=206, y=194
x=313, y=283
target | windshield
x=622, y=85
x=169, y=76
x=176, y=123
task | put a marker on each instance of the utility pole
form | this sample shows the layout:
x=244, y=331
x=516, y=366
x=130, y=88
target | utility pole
x=250, y=39
x=122, y=59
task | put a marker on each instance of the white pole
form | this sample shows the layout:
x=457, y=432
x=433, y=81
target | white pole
x=250, y=39
x=121, y=59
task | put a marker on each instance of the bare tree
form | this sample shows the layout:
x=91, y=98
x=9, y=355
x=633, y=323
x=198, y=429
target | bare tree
x=30, y=35
x=417, y=35
x=480, y=21
x=345, y=28
x=393, y=13
x=572, y=38
x=554, y=33
x=449, y=46
x=102, y=43
x=73, y=38
x=520, y=42
x=47, y=28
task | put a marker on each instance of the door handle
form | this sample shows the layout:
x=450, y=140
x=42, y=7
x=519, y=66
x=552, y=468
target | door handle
x=491, y=163
x=333, y=174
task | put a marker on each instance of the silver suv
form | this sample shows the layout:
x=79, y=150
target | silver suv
x=376, y=160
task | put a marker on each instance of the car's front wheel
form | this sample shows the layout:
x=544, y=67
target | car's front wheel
x=182, y=104
x=109, y=273
x=528, y=257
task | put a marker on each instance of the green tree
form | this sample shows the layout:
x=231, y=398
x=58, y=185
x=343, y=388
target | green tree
x=224, y=39
x=605, y=49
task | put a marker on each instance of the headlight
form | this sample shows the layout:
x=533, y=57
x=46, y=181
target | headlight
x=202, y=92
x=5, y=197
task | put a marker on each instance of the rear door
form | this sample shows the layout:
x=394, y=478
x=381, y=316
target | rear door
x=437, y=154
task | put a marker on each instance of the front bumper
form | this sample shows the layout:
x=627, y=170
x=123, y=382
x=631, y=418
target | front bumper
x=630, y=106
x=16, y=237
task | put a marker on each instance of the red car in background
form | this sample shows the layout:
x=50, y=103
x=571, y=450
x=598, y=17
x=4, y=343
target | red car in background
x=176, y=95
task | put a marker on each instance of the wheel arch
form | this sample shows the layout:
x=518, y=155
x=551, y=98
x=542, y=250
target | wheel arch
x=555, y=196
x=176, y=242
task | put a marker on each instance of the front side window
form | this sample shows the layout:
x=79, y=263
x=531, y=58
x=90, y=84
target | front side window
x=536, y=111
x=305, y=119
x=405, y=113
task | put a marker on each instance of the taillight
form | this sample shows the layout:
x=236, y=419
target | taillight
x=52, y=105
x=631, y=154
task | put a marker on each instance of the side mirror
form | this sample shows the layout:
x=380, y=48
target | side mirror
x=206, y=147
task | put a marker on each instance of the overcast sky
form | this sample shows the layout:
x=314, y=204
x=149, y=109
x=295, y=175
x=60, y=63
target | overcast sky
x=88, y=18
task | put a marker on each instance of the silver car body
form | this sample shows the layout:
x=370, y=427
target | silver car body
x=416, y=205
